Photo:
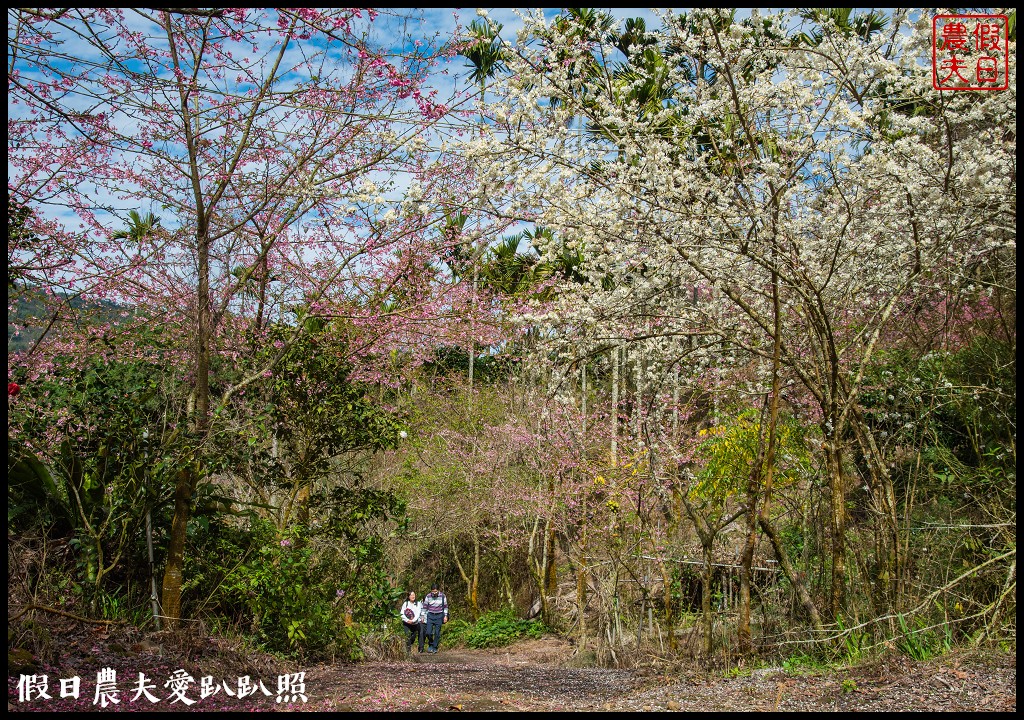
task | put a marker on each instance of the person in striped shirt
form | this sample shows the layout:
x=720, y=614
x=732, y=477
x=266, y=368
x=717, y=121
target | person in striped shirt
x=435, y=607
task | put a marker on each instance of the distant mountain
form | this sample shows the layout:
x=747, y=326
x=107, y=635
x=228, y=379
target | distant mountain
x=27, y=316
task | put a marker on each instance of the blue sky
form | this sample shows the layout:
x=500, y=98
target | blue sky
x=441, y=22
x=436, y=25
x=433, y=26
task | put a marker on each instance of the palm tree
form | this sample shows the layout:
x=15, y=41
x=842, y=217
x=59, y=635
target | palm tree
x=508, y=270
x=484, y=50
x=454, y=255
x=487, y=58
x=589, y=26
x=864, y=25
x=567, y=264
x=138, y=227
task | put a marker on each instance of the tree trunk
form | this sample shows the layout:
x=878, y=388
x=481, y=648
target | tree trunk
x=471, y=578
x=795, y=579
x=581, y=585
x=753, y=492
x=743, y=633
x=472, y=330
x=550, y=566
x=670, y=620
x=171, y=601
x=760, y=489
x=583, y=398
x=705, y=600
x=474, y=592
x=154, y=602
x=614, y=415
x=887, y=535
x=187, y=478
x=537, y=565
x=834, y=463
x=638, y=375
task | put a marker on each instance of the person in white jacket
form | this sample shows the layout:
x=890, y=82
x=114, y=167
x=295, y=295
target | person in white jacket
x=411, y=614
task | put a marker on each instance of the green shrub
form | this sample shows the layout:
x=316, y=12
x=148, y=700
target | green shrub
x=289, y=602
x=850, y=651
x=455, y=632
x=493, y=629
x=801, y=664
x=281, y=592
x=922, y=642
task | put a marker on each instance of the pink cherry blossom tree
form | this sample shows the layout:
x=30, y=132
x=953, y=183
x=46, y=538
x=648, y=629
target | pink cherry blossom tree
x=274, y=145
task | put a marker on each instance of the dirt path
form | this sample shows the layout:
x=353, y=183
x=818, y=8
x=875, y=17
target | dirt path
x=534, y=677
x=467, y=680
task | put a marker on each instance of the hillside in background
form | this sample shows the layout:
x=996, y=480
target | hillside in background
x=28, y=316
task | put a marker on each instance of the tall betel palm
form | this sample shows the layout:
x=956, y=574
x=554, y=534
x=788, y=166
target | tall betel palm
x=138, y=227
x=484, y=50
x=508, y=270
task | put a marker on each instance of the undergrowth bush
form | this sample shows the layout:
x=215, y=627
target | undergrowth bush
x=493, y=629
x=921, y=642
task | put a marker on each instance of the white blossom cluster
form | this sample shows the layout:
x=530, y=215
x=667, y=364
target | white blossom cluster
x=832, y=170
